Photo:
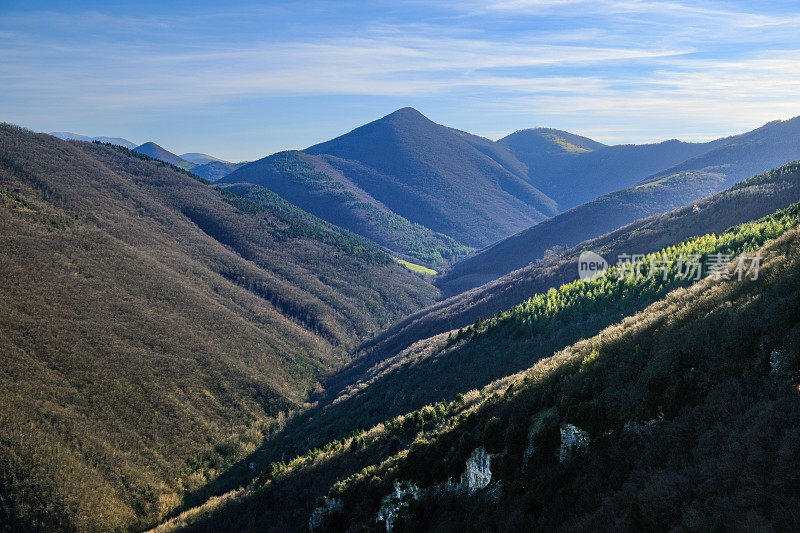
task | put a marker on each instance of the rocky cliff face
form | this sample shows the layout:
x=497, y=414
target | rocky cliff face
x=478, y=473
x=397, y=502
x=331, y=506
x=476, y=476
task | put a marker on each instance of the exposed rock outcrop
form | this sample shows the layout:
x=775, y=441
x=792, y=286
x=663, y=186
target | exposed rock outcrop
x=396, y=502
x=331, y=506
x=476, y=476
x=573, y=440
x=478, y=473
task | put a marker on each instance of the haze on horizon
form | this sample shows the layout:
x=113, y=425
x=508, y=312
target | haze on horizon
x=247, y=79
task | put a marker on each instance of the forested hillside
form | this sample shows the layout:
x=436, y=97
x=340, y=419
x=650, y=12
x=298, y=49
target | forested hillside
x=770, y=146
x=628, y=413
x=750, y=199
x=155, y=330
x=318, y=187
x=457, y=189
x=628, y=429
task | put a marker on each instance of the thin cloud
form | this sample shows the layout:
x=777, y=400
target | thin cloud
x=693, y=67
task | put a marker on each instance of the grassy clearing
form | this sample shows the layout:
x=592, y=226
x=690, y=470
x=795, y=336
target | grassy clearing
x=413, y=267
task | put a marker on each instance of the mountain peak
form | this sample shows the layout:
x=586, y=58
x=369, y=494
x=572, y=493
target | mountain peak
x=153, y=150
x=549, y=140
x=405, y=115
x=405, y=112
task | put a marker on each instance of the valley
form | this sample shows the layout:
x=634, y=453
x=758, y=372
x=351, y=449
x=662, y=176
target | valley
x=284, y=342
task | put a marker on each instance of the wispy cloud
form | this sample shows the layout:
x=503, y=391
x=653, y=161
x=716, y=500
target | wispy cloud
x=677, y=63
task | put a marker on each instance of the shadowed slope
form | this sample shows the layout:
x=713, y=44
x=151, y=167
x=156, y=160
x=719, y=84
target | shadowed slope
x=767, y=147
x=461, y=191
x=154, y=328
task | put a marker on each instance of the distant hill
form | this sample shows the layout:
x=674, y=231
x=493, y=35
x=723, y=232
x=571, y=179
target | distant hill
x=154, y=329
x=215, y=170
x=66, y=135
x=738, y=157
x=156, y=152
x=200, y=159
x=316, y=184
x=572, y=170
x=436, y=177
x=537, y=141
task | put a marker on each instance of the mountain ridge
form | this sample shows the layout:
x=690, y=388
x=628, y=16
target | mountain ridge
x=733, y=159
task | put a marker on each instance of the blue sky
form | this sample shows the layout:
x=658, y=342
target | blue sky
x=241, y=80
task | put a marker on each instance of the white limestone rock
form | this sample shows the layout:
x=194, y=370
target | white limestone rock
x=573, y=440
x=396, y=502
x=332, y=506
x=476, y=476
x=781, y=362
x=478, y=473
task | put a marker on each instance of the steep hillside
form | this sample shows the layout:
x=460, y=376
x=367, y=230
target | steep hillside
x=770, y=146
x=748, y=200
x=586, y=221
x=459, y=190
x=155, y=330
x=744, y=155
x=627, y=429
x=156, y=152
x=319, y=186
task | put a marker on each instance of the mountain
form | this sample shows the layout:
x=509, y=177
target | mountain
x=316, y=185
x=156, y=152
x=611, y=422
x=432, y=175
x=743, y=155
x=769, y=146
x=200, y=159
x=66, y=135
x=156, y=329
x=572, y=169
x=535, y=141
x=215, y=170
x=751, y=199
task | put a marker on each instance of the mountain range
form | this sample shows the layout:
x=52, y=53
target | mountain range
x=206, y=166
x=66, y=135
x=617, y=383
x=430, y=193
x=276, y=351
x=732, y=160
x=406, y=166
